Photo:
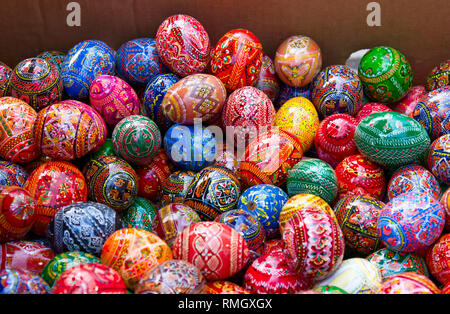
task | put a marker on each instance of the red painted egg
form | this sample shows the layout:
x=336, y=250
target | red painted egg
x=438, y=260
x=408, y=283
x=223, y=287
x=268, y=80
x=439, y=76
x=152, y=177
x=5, y=75
x=273, y=245
x=370, y=108
x=407, y=104
x=445, y=201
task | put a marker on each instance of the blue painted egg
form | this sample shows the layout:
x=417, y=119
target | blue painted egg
x=83, y=64
x=288, y=92
x=16, y=281
x=12, y=174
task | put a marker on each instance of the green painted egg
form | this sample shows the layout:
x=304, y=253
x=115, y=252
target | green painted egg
x=391, y=139
x=140, y=215
x=106, y=150
x=313, y=176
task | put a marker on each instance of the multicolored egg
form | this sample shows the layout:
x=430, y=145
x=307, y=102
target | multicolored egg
x=439, y=76
x=337, y=89
x=268, y=81
x=36, y=82
x=408, y=283
x=171, y=220
x=172, y=277
x=237, y=59
x=18, y=281
x=217, y=250
x=438, y=260
x=17, y=213
x=53, y=56
x=265, y=203
x=411, y=222
x=54, y=185
x=223, y=287
x=60, y=263
x=139, y=215
x=269, y=157
x=313, y=176
x=298, y=60
x=413, y=178
x=197, y=96
x=439, y=159
x=386, y=74
x=359, y=176
x=213, y=191
x=133, y=253
x=84, y=62
x=5, y=75
x=190, y=147
x=407, y=104
x=431, y=112
x=288, y=92
x=370, y=108
x=137, y=61
x=152, y=175
x=89, y=278
x=112, y=182
x=174, y=188
x=272, y=274
x=113, y=99
x=445, y=201
x=17, y=120
x=12, y=174
x=183, y=45
x=69, y=130
x=391, y=139
x=299, y=117
x=334, y=140
x=358, y=217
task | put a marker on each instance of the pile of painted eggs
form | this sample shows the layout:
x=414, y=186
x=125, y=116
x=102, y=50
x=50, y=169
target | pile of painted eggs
x=176, y=166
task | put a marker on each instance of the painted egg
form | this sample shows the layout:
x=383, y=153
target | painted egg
x=355, y=276
x=298, y=60
x=172, y=277
x=431, y=112
x=213, y=191
x=17, y=213
x=407, y=104
x=247, y=226
x=359, y=176
x=413, y=178
x=439, y=159
x=152, y=175
x=392, y=263
x=106, y=150
x=337, y=89
x=358, y=217
x=137, y=61
x=445, y=201
x=83, y=63
x=154, y=95
x=89, y=278
x=69, y=130
x=300, y=202
x=272, y=274
x=334, y=140
x=217, y=250
x=265, y=203
x=446, y=289
x=197, y=96
x=183, y=45
x=237, y=59
x=139, y=215
x=391, y=139
x=113, y=99
x=299, y=117
x=54, y=185
x=439, y=76
x=137, y=140
x=408, y=283
x=12, y=174
x=223, y=287
x=247, y=112
x=17, y=120
x=36, y=82
x=53, y=56
x=438, y=260
x=133, y=253
x=174, y=188
x=171, y=220
x=82, y=226
x=268, y=81
x=326, y=290
x=313, y=176
x=314, y=242
x=112, y=182
x=60, y=263
x=386, y=74
x=18, y=281
x=5, y=75
x=269, y=157
x=273, y=245
x=288, y=92
x=370, y=108
x=411, y=222
x=189, y=147
x=227, y=158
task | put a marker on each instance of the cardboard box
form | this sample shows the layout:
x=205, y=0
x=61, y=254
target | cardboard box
x=418, y=28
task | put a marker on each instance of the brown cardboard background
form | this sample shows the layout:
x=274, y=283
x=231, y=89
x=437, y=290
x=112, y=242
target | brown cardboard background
x=418, y=28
